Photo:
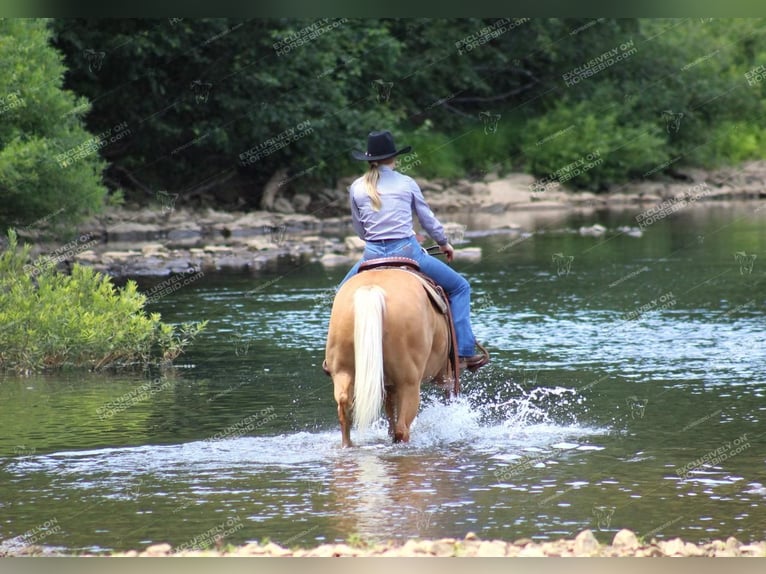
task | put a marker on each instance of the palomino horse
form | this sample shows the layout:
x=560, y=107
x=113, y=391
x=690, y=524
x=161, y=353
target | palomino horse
x=385, y=337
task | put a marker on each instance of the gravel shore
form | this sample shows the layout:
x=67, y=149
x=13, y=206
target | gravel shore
x=625, y=543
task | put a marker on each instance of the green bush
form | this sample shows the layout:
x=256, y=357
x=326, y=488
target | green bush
x=573, y=145
x=49, y=165
x=49, y=319
x=470, y=151
x=731, y=143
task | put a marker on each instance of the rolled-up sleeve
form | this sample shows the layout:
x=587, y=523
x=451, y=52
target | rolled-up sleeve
x=426, y=217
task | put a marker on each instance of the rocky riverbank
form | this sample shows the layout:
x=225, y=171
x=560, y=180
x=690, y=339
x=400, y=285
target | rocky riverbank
x=585, y=544
x=168, y=239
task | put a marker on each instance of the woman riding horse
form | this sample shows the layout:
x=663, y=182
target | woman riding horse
x=382, y=202
x=385, y=336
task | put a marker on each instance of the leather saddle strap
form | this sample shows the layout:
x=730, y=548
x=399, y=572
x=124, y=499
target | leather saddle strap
x=453, y=354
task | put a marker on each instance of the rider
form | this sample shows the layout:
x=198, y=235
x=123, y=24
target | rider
x=381, y=212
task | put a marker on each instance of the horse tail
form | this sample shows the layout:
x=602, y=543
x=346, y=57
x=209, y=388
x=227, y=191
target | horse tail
x=369, y=306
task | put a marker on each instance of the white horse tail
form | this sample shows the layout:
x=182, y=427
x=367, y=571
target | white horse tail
x=369, y=306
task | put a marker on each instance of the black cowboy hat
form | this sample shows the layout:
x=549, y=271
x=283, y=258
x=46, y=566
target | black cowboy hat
x=380, y=145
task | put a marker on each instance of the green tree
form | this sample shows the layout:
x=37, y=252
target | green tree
x=199, y=94
x=49, y=163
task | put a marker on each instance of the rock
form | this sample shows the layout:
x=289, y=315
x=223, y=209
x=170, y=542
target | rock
x=335, y=260
x=344, y=550
x=427, y=185
x=272, y=549
x=586, y=197
x=654, y=552
x=259, y=244
x=88, y=256
x=471, y=536
x=118, y=255
x=443, y=548
x=756, y=549
x=732, y=544
x=468, y=254
x=152, y=249
x=523, y=541
x=323, y=551
x=550, y=549
x=301, y=202
x=673, y=547
x=281, y=205
x=595, y=230
x=354, y=243
x=216, y=249
x=463, y=186
x=494, y=548
x=251, y=549
x=585, y=543
x=532, y=551
x=132, y=231
x=693, y=550
x=515, y=188
x=158, y=550
x=410, y=547
x=726, y=554
x=625, y=539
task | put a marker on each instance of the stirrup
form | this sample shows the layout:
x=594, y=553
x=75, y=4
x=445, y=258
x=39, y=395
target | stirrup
x=476, y=366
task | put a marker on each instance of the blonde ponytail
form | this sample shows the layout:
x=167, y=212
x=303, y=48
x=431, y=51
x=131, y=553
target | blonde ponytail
x=371, y=181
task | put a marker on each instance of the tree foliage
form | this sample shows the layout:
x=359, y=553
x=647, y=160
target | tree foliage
x=222, y=105
x=50, y=319
x=48, y=162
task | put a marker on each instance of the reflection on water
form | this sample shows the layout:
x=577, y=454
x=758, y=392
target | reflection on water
x=600, y=409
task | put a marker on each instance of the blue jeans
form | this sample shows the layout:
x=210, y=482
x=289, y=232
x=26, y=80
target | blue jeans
x=457, y=288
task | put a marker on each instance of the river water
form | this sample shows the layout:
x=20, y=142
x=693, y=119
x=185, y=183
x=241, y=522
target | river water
x=627, y=389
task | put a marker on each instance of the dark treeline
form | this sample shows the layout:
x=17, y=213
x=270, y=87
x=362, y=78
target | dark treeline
x=213, y=109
